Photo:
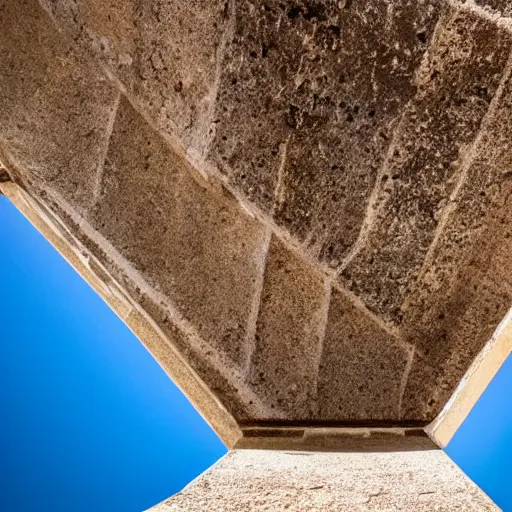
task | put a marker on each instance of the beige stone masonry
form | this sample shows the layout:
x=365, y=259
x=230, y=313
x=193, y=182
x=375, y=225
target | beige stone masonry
x=254, y=480
x=308, y=202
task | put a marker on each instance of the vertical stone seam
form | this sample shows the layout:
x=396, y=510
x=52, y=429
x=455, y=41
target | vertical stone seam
x=252, y=321
x=405, y=379
x=374, y=202
x=103, y=154
x=466, y=165
x=322, y=329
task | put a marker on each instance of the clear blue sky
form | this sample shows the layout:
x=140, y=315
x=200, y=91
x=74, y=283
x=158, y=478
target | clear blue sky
x=90, y=422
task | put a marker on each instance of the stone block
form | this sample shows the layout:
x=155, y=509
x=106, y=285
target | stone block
x=456, y=83
x=307, y=100
x=55, y=110
x=464, y=288
x=165, y=53
x=419, y=480
x=361, y=368
x=289, y=333
x=420, y=399
x=465, y=323
x=356, y=77
x=194, y=245
x=216, y=372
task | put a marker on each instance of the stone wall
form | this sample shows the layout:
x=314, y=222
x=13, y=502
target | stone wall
x=421, y=480
x=311, y=201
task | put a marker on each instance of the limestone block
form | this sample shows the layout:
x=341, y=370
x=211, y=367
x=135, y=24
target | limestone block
x=356, y=77
x=456, y=83
x=361, y=368
x=473, y=314
x=307, y=100
x=464, y=289
x=54, y=110
x=420, y=480
x=165, y=53
x=289, y=333
x=216, y=372
x=194, y=245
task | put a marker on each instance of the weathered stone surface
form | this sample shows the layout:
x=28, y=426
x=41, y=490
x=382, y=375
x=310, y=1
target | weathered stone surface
x=361, y=368
x=269, y=480
x=369, y=137
x=54, y=110
x=164, y=52
x=472, y=314
x=420, y=400
x=503, y=7
x=195, y=246
x=289, y=333
x=216, y=371
x=307, y=101
x=465, y=287
x=456, y=83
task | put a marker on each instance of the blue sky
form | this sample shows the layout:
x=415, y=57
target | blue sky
x=90, y=422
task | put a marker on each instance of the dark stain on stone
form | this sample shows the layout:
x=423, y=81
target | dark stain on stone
x=4, y=175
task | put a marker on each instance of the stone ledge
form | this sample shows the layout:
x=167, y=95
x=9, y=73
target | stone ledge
x=335, y=439
x=473, y=384
x=254, y=480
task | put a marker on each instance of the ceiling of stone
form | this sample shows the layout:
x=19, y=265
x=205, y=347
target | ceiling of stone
x=312, y=200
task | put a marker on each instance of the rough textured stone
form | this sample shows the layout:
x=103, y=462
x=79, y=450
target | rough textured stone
x=317, y=482
x=456, y=83
x=472, y=313
x=362, y=366
x=164, y=52
x=289, y=333
x=317, y=72
x=54, y=111
x=465, y=287
x=196, y=247
x=504, y=7
x=369, y=137
x=213, y=370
